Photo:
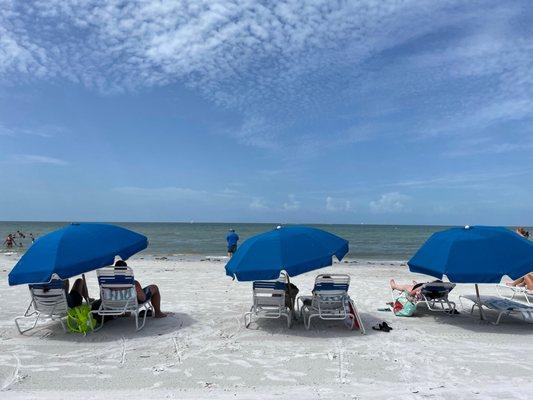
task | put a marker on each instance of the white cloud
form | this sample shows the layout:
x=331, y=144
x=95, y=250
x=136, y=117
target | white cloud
x=392, y=202
x=291, y=204
x=335, y=205
x=37, y=159
x=258, y=204
x=269, y=60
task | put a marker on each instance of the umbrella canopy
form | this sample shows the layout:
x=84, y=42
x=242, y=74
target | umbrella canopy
x=295, y=249
x=75, y=249
x=477, y=254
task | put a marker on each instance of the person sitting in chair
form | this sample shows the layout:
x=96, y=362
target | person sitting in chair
x=150, y=292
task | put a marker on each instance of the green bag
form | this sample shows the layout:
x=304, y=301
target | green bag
x=403, y=306
x=80, y=319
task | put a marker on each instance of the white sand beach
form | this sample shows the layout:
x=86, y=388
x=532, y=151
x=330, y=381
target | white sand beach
x=204, y=351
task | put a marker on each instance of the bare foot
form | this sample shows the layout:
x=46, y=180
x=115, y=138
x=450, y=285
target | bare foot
x=160, y=315
x=392, y=283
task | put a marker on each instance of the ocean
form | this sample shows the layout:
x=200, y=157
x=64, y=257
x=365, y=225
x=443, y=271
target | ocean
x=367, y=242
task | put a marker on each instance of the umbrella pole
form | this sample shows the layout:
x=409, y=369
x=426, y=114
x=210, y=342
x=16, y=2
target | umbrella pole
x=479, y=303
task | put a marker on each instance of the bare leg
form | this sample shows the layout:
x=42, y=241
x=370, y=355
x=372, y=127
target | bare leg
x=80, y=287
x=528, y=280
x=396, y=286
x=140, y=294
x=518, y=282
x=156, y=301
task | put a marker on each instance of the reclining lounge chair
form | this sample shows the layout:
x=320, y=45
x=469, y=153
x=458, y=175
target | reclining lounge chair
x=268, y=302
x=504, y=307
x=118, y=295
x=330, y=301
x=48, y=301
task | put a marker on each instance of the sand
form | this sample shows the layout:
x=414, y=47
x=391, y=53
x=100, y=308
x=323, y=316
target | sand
x=204, y=351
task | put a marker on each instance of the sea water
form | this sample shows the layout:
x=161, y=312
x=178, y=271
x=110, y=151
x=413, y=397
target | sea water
x=367, y=242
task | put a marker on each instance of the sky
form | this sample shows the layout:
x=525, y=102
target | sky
x=386, y=112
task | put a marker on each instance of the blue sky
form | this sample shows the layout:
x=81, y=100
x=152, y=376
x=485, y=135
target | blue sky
x=327, y=111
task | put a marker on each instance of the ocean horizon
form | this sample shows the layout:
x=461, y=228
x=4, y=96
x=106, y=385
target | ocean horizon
x=367, y=241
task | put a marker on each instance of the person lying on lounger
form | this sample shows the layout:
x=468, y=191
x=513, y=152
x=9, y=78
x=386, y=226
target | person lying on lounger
x=412, y=289
x=150, y=292
x=526, y=281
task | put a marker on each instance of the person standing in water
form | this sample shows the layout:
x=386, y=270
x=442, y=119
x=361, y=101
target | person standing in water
x=232, y=238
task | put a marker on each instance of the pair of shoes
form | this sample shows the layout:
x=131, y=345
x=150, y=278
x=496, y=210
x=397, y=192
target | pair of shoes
x=382, y=327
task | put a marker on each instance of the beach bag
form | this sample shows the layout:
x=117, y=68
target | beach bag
x=403, y=306
x=80, y=319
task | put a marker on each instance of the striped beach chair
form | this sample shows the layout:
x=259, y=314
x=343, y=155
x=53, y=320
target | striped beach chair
x=48, y=301
x=118, y=295
x=268, y=302
x=330, y=301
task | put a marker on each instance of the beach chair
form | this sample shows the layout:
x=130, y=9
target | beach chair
x=512, y=292
x=48, y=301
x=268, y=302
x=330, y=301
x=434, y=295
x=504, y=307
x=118, y=295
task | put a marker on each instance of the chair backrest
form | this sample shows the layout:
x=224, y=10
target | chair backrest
x=436, y=290
x=330, y=291
x=117, y=287
x=332, y=284
x=49, y=298
x=269, y=293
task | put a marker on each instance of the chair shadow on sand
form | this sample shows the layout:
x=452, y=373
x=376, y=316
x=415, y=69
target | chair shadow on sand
x=472, y=322
x=122, y=327
x=319, y=328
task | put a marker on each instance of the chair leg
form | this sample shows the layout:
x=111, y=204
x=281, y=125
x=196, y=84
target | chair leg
x=22, y=331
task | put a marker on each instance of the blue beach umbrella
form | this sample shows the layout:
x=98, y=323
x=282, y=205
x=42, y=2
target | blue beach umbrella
x=294, y=249
x=474, y=254
x=74, y=250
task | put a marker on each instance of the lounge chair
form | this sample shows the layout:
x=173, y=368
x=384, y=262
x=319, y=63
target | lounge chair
x=48, y=301
x=330, y=301
x=268, y=302
x=510, y=292
x=118, y=295
x=434, y=295
x=504, y=307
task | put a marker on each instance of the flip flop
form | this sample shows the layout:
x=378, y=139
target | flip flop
x=382, y=327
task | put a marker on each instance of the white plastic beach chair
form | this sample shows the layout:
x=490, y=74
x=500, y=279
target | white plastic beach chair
x=330, y=301
x=268, y=302
x=512, y=292
x=48, y=301
x=118, y=295
x=504, y=307
x=434, y=295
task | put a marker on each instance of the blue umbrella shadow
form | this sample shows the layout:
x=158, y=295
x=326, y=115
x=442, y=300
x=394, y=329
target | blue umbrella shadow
x=122, y=327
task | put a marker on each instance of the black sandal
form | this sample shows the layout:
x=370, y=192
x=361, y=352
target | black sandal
x=382, y=327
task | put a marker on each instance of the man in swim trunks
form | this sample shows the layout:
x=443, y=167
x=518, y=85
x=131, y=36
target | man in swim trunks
x=232, y=238
x=150, y=292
